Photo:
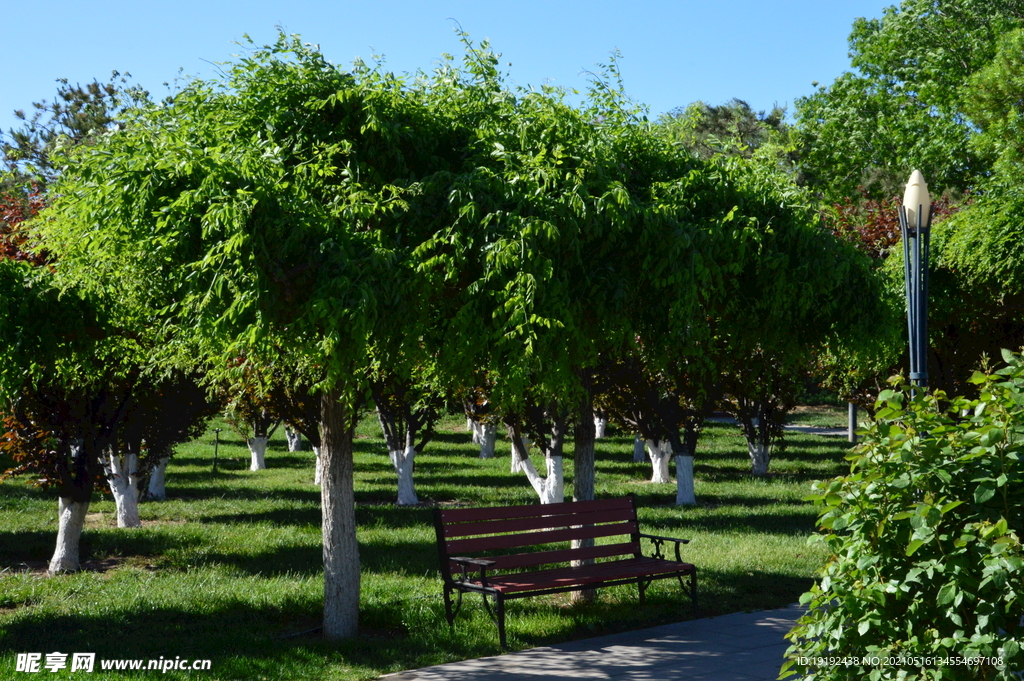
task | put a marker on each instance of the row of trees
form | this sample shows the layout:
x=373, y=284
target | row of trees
x=328, y=237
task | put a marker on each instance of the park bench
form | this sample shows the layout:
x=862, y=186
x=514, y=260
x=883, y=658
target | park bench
x=511, y=552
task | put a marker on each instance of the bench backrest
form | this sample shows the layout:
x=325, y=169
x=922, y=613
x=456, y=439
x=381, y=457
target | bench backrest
x=495, y=531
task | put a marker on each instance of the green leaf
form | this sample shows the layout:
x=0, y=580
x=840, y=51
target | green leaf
x=947, y=593
x=984, y=492
x=951, y=505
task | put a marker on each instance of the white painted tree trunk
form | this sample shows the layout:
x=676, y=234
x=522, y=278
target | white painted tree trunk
x=337, y=503
x=550, y=489
x=488, y=435
x=599, y=426
x=294, y=438
x=517, y=465
x=684, y=481
x=123, y=480
x=319, y=464
x=403, y=463
x=158, y=480
x=760, y=456
x=474, y=427
x=258, y=450
x=70, y=521
x=660, y=453
x=639, y=455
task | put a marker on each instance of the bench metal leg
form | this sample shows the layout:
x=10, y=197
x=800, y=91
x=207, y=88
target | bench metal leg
x=448, y=607
x=693, y=588
x=643, y=589
x=449, y=611
x=500, y=608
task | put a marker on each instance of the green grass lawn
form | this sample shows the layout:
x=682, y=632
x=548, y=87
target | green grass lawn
x=229, y=568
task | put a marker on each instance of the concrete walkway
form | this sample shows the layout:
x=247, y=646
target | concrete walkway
x=738, y=647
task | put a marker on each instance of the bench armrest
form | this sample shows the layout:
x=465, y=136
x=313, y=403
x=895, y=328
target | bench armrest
x=465, y=562
x=658, y=541
x=478, y=562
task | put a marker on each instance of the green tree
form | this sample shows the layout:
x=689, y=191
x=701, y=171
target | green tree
x=67, y=383
x=994, y=100
x=278, y=207
x=77, y=115
x=732, y=128
x=903, y=107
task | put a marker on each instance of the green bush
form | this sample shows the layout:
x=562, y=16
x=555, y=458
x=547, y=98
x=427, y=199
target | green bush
x=926, y=563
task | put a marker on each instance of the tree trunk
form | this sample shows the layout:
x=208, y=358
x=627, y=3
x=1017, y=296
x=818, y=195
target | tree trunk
x=70, y=521
x=639, y=455
x=258, y=450
x=583, y=482
x=474, y=427
x=294, y=439
x=318, y=474
x=660, y=452
x=337, y=496
x=403, y=463
x=600, y=423
x=488, y=435
x=685, y=490
x=158, y=480
x=550, y=489
x=517, y=462
x=122, y=474
x=760, y=456
x=684, y=481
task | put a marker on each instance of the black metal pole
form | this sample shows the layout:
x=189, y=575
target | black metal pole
x=915, y=276
x=216, y=446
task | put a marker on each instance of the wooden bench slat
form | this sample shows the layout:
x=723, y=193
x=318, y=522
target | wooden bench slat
x=537, y=523
x=461, y=547
x=462, y=515
x=587, y=574
x=519, y=560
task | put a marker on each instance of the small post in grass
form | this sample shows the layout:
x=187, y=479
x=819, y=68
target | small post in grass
x=216, y=446
x=851, y=425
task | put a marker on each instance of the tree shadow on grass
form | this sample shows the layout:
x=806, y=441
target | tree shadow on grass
x=300, y=517
x=490, y=482
x=33, y=546
x=375, y=556
x=310, y=496
x=246, y=641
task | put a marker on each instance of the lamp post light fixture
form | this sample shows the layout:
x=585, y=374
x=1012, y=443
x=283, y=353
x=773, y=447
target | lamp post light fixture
x=915, y=224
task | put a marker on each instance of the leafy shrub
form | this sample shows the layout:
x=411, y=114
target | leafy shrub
x=924, y=535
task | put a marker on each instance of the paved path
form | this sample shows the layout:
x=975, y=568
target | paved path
x=796, y=427
x=739, y=647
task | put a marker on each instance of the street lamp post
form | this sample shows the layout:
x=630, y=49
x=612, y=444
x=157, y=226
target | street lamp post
x=915, y=224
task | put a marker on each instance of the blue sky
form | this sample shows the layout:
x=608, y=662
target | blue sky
x=673, y=52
